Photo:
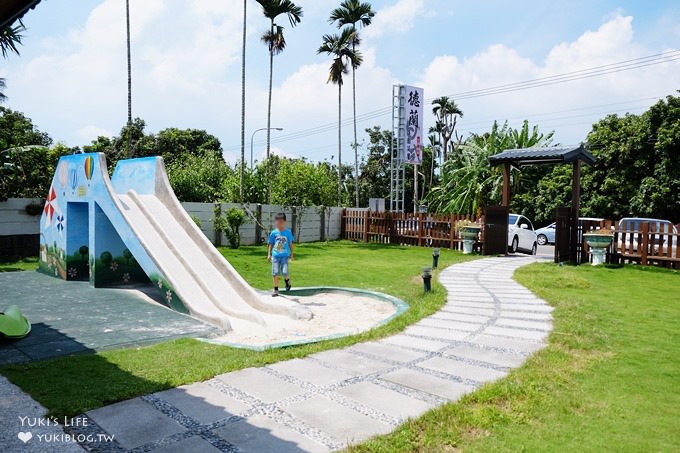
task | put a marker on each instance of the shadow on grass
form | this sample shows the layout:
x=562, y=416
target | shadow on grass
x=79, y=381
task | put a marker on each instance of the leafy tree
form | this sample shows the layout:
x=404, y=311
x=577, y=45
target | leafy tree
x=374, y=179
x=200, y=178
x=18, y=130
x=276, y=42
x=446, y=112
x=341, y=48
x=353, y=13
x=638, y=164
x=171, y=144
x=26, y=162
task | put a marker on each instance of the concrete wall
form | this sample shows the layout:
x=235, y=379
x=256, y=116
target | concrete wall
x=308, y=221
x=14, y=220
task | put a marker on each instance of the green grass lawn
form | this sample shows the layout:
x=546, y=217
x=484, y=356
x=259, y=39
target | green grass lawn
x=25, y=264
x=608, y=381
x=71, y=385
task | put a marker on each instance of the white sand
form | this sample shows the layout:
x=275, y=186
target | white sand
x=335, y=313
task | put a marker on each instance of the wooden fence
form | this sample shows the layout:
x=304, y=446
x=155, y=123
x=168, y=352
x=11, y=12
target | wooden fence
x=647, y=243
x=429, y=230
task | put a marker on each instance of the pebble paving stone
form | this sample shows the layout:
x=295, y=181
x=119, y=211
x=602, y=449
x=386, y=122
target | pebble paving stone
x=334, y=398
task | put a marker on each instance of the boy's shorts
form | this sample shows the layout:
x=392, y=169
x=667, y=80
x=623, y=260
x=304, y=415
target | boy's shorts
x=280, y=266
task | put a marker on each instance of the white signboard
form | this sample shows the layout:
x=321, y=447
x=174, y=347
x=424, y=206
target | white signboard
x=413, y=109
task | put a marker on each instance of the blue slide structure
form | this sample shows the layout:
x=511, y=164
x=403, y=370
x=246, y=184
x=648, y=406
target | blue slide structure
x=131, y=228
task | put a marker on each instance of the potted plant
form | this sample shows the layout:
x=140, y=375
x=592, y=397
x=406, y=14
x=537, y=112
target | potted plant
x=469, y=231
x=598, y=242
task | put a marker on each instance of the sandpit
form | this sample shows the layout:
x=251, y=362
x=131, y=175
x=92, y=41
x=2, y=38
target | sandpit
x=336, y=313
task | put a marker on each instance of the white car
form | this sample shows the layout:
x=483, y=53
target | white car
x=521, y=235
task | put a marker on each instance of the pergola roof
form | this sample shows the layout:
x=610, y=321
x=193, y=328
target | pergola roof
x=11, y=10
x=533, y=156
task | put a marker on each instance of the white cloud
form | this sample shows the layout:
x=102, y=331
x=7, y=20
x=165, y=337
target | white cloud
x=397, y=18
x=562, y=106
x=186, y=73
x=91, y=132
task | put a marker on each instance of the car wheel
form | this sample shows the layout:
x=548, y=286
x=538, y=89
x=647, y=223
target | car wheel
x=542, y=239
x=515, y=245
x=534, y=249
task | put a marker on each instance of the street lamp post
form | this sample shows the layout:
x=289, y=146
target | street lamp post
x=253, y=138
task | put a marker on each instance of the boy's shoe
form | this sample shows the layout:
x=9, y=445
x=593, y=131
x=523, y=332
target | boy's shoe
x=275, y=293
x=288, y=285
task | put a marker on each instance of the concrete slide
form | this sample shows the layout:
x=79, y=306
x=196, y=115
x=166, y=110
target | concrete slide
x=208, y=285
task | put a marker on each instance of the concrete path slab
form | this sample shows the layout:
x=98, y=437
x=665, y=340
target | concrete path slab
x=134, y=423
x=330, y=399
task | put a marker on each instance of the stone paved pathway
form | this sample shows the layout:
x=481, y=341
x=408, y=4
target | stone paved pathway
x=324, y=402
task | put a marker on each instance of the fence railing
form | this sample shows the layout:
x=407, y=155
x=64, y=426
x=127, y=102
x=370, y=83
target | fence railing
x=429, y=230
x=645, y=243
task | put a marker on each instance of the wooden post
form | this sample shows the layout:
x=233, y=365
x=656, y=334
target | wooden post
x=420, y=230
x=575, y=211
x=343, y=222
x=452, y=233
x=367, y=214
x=644, y=244
x=506, y=185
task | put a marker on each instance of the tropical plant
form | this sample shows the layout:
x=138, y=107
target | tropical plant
x=10, y=39
x=340, y=47
x=276, y=42
x=469, y=183
x=446, y=112
x=350, y=14
x=3, y=86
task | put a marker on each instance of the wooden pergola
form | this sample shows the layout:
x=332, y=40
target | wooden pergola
x=519, y=158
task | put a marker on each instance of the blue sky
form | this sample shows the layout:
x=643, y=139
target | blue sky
x=71, y=75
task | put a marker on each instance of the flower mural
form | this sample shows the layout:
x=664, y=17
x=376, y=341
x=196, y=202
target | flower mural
x=126, y=277
x=72, y=272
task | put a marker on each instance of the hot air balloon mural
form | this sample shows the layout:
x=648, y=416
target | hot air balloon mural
x=73, y=176
x=89, y=167
x=63, y=174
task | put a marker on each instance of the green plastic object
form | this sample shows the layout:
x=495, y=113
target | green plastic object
x=13, y=324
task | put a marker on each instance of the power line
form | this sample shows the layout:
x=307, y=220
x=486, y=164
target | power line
x=596, y=71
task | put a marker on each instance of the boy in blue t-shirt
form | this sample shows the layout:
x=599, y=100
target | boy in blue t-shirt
x=280, y=251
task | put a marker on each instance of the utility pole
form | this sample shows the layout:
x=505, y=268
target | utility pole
x=129, y=79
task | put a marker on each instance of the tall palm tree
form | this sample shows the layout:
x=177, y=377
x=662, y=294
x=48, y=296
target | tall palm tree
x=10, y=39
x=341, y=48
x=446, y=112
x=352, y=13
x=243, y=99
x=276, y=43
x=129, y=76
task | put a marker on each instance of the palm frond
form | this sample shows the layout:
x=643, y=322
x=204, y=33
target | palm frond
x=275, y=41
x=10, y=39
x=274, y=8
x=352, y=13
x=3, y=85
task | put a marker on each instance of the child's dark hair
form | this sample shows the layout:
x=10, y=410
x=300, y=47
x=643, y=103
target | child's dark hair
x=280, y=216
